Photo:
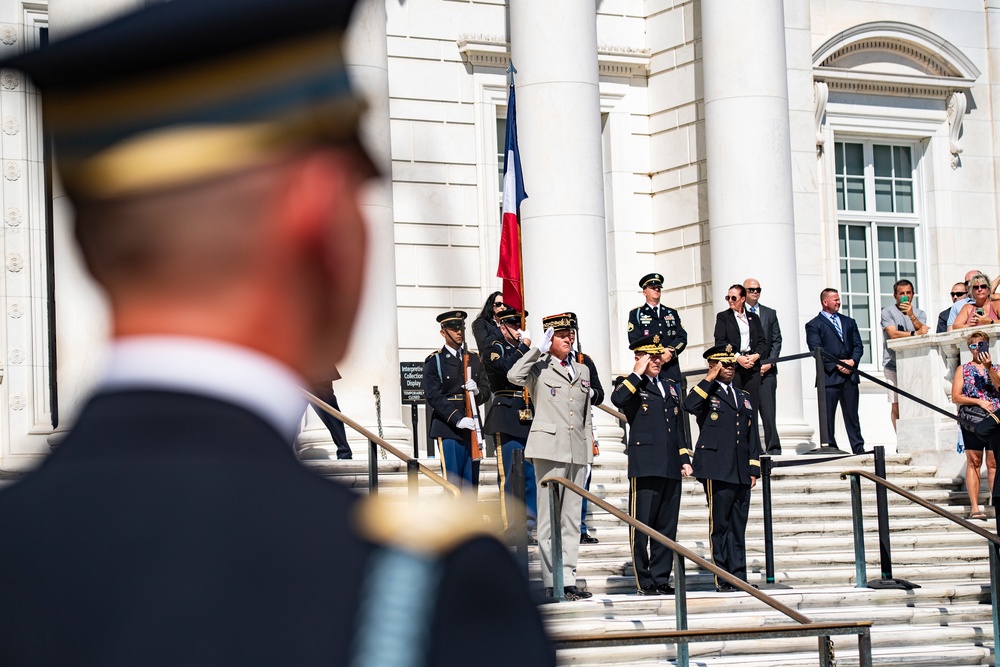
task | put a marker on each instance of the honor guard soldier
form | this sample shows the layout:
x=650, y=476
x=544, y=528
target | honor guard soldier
x=725, y=459
x=210, y=150
x=658, y=459
x=509, y=418
x=652, y=318
x=454, y=385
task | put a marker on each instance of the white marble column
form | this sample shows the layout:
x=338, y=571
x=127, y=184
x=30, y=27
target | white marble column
x=373, y=358
x=82, y=315
x=559, y=135
x=748, y=148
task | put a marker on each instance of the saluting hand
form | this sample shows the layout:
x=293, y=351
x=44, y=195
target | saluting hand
x=713, y=372
x=547, y=340
x=641, y=364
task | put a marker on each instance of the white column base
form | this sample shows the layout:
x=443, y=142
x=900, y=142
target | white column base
x=796, y=436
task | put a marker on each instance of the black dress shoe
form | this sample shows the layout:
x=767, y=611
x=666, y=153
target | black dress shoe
x=574, y=593
x=665, y=589
x=648, y=590
x=587, y=539
x=725, y=587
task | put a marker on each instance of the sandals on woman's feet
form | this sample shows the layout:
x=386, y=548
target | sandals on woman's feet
x=977, y=515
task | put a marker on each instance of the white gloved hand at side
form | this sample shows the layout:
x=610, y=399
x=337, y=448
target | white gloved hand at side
x=471, y=386
x=467, y=423
x=547, y=340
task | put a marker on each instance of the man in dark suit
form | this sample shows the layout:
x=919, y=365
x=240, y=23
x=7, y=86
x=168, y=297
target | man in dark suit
x=741, y=329
x=658, y=459
x=654, y=318
x=768, y=407
x=725, y=459
x=453, y=378
x=958, y=291
x=324, y=392
x=173, y=524
x=838, y=335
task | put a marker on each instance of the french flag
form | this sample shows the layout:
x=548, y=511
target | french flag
x=509, y=267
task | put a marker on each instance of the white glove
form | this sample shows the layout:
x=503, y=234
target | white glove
x=471, y=386
x=592, y=392
x=524, y=335
x=547, y=340
x=467, y=423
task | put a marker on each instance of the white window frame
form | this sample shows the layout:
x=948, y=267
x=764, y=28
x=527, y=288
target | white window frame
x=872, y=219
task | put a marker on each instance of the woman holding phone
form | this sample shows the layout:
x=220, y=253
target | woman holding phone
x=977, y=383
x=981, y=311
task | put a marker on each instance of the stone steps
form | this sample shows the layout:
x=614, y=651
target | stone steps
x=946, y=622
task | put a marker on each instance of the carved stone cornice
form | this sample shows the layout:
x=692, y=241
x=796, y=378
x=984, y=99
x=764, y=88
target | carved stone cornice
x=490, y=51
x=895, y=85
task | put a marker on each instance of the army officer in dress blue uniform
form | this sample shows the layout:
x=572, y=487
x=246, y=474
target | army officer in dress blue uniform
x=725, y=458
x=653, y=318
x=658, y=459
x=445, y=388
x=509, y=418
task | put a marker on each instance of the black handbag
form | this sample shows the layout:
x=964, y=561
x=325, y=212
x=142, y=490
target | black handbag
x=989, y=427
x=970, y=416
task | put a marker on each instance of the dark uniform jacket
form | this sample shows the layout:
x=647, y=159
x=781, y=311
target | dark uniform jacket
x=443, y=380
x=644, y=321
x=171, y=529
x=485, y=331
x=595, y=380
x=728, y=441
x=656, y=446
x=728, y=331
x=820, y=332
x=508, y=398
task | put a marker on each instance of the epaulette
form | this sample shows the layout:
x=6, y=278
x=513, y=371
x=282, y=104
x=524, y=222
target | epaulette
x=432, y=355
x=618, y=380
x=426, y=527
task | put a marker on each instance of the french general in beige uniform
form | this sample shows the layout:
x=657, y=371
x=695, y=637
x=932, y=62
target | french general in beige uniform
x=559, y=443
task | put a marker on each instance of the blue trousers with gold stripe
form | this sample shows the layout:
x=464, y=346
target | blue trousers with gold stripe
x=728, y=513
x=460, y=469
x=656, y=502
x=505, y=459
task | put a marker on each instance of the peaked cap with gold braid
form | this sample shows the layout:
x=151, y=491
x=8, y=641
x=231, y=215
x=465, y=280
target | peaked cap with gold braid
x=185, y=90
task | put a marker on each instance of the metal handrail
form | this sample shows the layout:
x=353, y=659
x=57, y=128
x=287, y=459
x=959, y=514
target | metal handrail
x=611, y=411
x=821, y=630
x=682, y=635
x=982, y=532
x=412, y=464
x=670, y=544
x=859, y=541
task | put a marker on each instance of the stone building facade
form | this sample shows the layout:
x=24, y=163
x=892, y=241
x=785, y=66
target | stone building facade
x=809, y=143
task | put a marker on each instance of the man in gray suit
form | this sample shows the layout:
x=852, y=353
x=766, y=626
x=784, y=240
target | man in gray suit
x=559, y=442
x=768, y=372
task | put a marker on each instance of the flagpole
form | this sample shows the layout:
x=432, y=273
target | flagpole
x=525, y=394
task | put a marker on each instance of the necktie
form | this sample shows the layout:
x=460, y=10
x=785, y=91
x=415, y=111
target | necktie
x=732, y=395
x=753, y=309
x=659, y=388
x=836, y=325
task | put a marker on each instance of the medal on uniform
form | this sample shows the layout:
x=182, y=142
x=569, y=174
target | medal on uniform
x=645, y=407
x=673, y=391
x=714, y=416
x=552, y=390
x=585, y=383
x=746, y=403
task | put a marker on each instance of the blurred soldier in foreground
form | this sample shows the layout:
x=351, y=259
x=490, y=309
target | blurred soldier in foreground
x=210, y=149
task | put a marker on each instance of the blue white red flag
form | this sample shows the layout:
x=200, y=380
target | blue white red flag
x=509, y=267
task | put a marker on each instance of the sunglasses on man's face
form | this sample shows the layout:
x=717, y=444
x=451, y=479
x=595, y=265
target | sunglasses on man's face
x=755, y=290
x=732, y=298
x=727, y=364
x=956, y=295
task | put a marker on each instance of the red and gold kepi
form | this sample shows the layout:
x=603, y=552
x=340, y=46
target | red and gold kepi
x=560, y=321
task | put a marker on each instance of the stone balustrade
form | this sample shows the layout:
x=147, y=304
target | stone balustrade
x=925, y=366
